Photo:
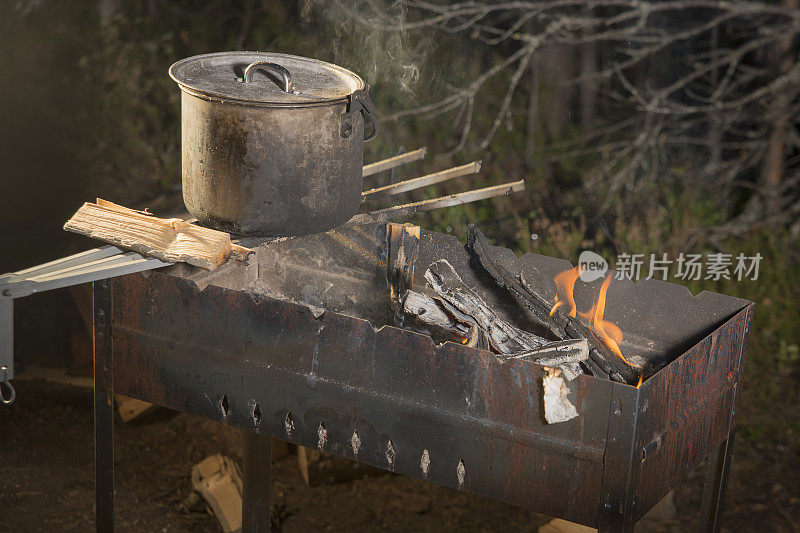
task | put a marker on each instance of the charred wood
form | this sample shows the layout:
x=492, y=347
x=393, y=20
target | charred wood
x=403, y=248
x=601, y=361
x=466, y=306
x=430, y=312
x=556, y=353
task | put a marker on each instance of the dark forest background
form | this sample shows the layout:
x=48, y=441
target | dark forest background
x=639, y=127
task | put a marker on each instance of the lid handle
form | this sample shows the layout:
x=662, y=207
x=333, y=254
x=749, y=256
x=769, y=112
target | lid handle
x=269, y=67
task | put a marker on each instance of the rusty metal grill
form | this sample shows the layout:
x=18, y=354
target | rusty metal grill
x=299, y=333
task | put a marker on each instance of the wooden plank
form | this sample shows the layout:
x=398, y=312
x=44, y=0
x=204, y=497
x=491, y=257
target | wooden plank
x=393, y=162
x=54, y=375
x=170, y=240
x=422, y=181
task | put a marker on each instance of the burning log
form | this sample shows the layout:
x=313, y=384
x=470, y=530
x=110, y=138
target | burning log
x=602, y=360
x=457, y=313
x=430, y=312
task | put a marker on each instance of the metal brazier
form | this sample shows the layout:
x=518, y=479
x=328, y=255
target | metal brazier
x=272, y=143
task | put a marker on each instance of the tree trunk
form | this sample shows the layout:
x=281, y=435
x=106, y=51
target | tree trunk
x=533, y=111
x=560, y=71
x=588, y=94
x=775, y=157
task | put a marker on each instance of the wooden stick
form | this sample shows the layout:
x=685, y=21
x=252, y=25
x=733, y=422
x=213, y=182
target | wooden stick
x=422, y=181
x=406, y=210
x=392, y=162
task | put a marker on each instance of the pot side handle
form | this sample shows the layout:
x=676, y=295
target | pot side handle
x=273, y=68
x=359, y=102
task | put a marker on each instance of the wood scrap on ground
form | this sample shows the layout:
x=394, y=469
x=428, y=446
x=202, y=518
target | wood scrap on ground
x=172, y=240
x=131, y=408
x=219, y=481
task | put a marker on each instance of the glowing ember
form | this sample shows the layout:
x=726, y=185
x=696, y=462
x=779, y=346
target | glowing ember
x=565, y=285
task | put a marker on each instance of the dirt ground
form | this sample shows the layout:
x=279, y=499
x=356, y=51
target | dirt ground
x=47, y=483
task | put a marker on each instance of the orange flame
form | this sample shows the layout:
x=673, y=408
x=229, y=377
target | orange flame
x=640, y=380
x=608, y=332
x=565, y=286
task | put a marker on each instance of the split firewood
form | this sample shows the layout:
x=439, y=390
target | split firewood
x=461, y=302
x=601, y=361
x=172, y=240
x=131, y=408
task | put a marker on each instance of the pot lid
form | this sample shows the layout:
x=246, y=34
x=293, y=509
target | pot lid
x=264, y=78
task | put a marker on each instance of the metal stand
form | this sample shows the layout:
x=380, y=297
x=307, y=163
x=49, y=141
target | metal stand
x=257, y=453
x=85, y=267
x=223, y=355
x=256, y=467
x=103, y=406
x=620, y=469
x=717, y=468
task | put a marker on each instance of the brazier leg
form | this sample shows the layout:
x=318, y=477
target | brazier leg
x=719, y=464
x=256, y=467
x=103, y=407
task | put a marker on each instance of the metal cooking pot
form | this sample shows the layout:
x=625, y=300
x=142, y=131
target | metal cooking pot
x=272, y=143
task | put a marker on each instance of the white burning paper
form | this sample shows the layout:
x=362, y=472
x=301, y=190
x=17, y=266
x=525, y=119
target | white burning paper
x=557, y=407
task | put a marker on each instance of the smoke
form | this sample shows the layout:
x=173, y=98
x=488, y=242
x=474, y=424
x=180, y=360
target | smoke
x=370, y=38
